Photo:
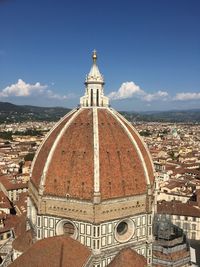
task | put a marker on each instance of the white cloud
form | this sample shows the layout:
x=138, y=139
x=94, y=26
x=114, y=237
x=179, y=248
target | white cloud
x=187, y=96
x=130, y=89
x=51, y=94
x=22, y=89
x=158, y=95
x=127, y=90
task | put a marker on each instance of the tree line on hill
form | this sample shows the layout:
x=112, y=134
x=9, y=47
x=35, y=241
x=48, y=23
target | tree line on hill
x=10, y=113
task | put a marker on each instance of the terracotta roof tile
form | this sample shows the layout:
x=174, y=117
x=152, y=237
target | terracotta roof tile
x=4, y=201
x=72, y=166
x=121, y=169
x=144, y=152
x=71, y=169
x=128, y=258
x=14, y=222
x=54, y=251
x=43, y=154
x=178, y=208
x=24, y=241
x=10, y=183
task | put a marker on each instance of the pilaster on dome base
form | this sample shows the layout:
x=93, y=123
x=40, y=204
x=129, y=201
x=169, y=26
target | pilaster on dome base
x=97, y=198
x=149, y=189
x=97, y=252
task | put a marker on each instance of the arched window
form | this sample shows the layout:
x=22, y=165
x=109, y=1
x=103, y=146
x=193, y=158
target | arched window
x=97, y=97
x=91, y=97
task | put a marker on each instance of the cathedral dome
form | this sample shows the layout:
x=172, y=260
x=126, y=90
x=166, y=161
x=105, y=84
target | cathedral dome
x=92, y=179
x=93, y=153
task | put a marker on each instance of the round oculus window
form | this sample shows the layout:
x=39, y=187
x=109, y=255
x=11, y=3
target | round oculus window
x=67, y=228
x=124, y=230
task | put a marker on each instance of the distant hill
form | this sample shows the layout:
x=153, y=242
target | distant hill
x=186, y=116
x=18, y=113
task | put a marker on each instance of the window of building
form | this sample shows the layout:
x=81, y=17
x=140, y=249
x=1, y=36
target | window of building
x=149, y=219
x=39, y=223
x=39, y=235
x=138, y=221
x=97, y=97
x=45, y=233
x=138, y=232
x=103, y=229
x=51, y=223
x=185, y=226
x=98, y=230
x=122, y=228
x=94, y=231
x=91, y=97
x=149, y=230
x=143, y=251
x=97, y=244
x=109, y=228
x=193, y=226
x=88, y=241
x=46, y=222
x=8, y=235
x=88, y=230
x=82, y=238
x=68, y=229
x=193, y=235
x=82, y=228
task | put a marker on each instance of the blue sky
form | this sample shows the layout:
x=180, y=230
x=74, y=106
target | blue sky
x=148, y=52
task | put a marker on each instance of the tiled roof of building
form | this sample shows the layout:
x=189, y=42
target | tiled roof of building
x=178, y=208
x=57, y=251
x=14, y=222
x=4, y=201
x=10, y=183
x=128, y=258
x=21, y=203
x=24, y=241
x=67, y=157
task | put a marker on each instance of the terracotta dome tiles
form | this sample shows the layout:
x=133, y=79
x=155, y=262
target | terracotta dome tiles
x=70, y=172
x=42, y=155
x=71, y=169
x=121, y=170
x=143, y=150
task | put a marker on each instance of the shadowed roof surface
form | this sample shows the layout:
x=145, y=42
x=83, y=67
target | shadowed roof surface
x=57, y=251
x=128, y=258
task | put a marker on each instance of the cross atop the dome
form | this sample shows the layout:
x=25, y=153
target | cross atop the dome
x=94, y=56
